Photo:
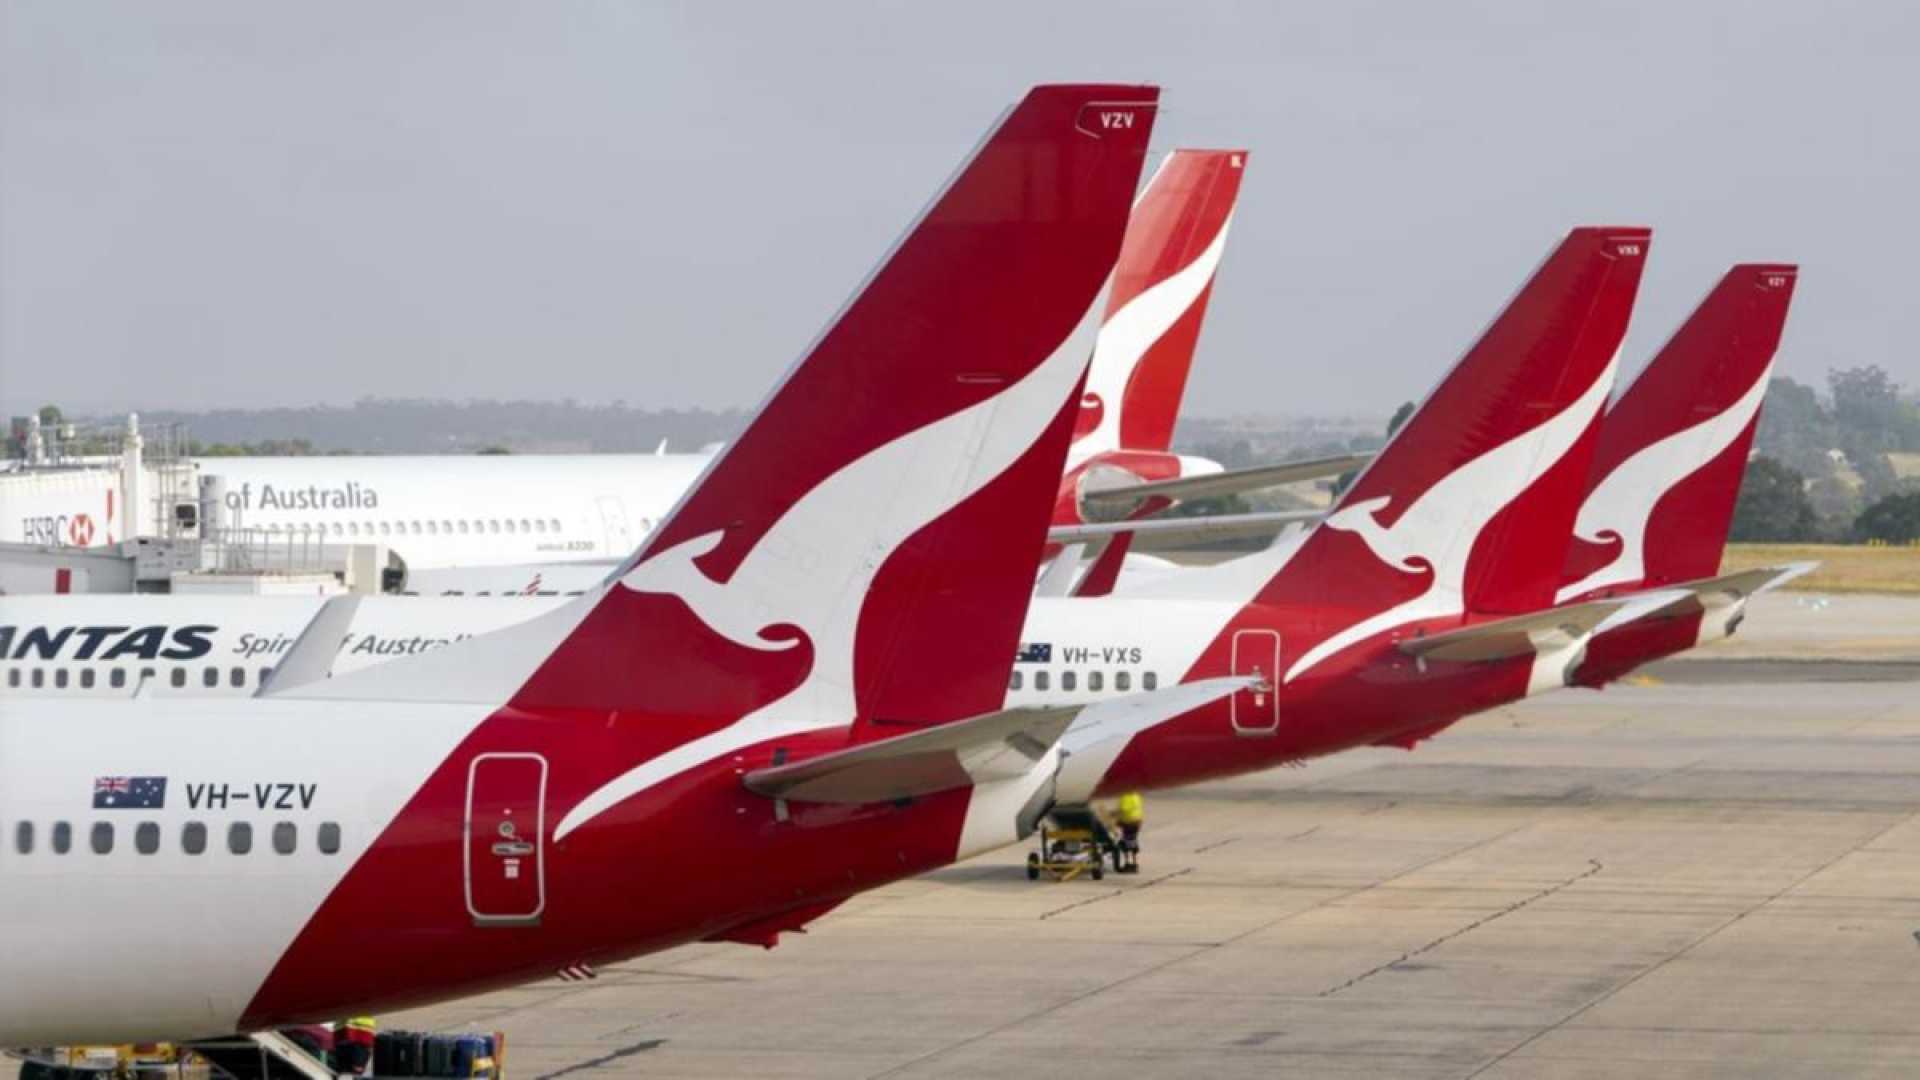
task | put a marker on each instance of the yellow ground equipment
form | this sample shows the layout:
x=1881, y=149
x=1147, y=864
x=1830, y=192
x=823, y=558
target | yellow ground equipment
x=1072, y=842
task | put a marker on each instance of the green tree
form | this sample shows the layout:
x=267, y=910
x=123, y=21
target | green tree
x=1866, y=403
x=1894, y=519
x=1773, y=506
x=493, y=451
x=1400, y=416
x=1795, y=428
x=51, y=416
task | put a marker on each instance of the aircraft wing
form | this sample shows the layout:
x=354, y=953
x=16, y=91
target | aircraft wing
x=1156, y=533
x=1539, y=632
x=1231, y=482
x=981, y=749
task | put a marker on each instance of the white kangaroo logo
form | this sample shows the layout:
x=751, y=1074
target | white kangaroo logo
x=1439, y=528
x=814, y=566
x=1132, y=330
x=1621, y=505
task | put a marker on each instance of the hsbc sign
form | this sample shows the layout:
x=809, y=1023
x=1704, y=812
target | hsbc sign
x=61, y=530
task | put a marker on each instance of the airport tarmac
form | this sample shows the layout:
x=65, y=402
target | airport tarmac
x=1713, y=870
x=1661, y=880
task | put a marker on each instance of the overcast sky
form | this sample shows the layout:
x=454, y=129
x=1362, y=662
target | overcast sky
x=246, y=204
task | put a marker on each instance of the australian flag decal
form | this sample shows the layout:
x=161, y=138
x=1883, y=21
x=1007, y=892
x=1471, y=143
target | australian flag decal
x=130, y=793
x=1037, y=652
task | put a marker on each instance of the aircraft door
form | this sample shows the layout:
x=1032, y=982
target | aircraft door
x=1256, y=711
x=504, y=835
x=613, y=515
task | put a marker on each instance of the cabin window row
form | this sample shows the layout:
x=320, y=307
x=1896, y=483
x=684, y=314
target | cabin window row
x=417, y=528
x=284, y=837
x=1096, y=680
x=86, y=678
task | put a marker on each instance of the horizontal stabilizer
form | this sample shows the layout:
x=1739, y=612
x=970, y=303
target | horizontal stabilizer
x=1115, y=501
x=1743, y=584
x=995, y=746
x=1539, y=632
x=1104, y=729
x=1159, y=533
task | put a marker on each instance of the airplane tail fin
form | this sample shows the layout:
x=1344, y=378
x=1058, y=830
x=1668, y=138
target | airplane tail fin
x=1469, y=505
x=1672, y=451
x=866, y=547
x=1161, y=284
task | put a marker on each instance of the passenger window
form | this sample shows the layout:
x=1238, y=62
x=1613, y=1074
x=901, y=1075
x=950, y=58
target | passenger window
x=526, y=526
x=179, y=676
x=1150, y=680
x=285, y=834
x=433, y=529
x=1123, y=681
x=555, y=522
x=13, y=677
x=509, y=525
x=239, y=838
x=1068, y=680
x=384, y=530
x=39, y=678
x=210, y=676
x=237, y=678
x=146, y=837
x=329, y=838
x=23, y=838
x=193, y=838
x=446, y=527
x=86, y=678
x=416, y=528
x=353, y=528
x=463, y=528
x=1095, y=679
x=101, y=838
x=62, y=838
x=1013, y=683
x=59, y=678
x=265, y=673
x=117, y=678
x=540, y=526
x=336, y=529
x=1040, y=680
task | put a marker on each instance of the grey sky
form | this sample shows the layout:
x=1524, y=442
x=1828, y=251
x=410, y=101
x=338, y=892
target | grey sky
x=242, y=204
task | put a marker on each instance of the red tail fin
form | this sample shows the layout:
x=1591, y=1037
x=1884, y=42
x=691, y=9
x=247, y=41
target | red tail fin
x=1161, y=285
x=1672, y=451
x=867, y=545
x=1469, y=506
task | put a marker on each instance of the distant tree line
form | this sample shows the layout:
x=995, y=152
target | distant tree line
x=1824, y=469
x=418, y=426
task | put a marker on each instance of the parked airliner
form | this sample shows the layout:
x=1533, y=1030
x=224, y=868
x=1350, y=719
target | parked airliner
x=800, y=672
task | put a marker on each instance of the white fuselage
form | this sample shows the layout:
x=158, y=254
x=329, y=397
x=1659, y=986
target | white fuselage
x=468, y=511
x=206, y=928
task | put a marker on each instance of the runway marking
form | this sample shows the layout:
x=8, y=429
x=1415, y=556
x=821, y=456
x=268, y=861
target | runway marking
x=1593, y=867
x=605, y=1059
x=1690, y=946
x=1148, y=884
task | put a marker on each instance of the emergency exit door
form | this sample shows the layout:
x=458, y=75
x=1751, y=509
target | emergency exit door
x=613, y=517
x=1256, y=710
x=505, y=846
